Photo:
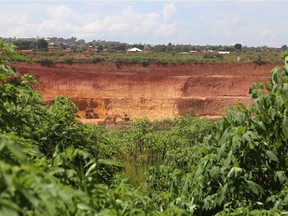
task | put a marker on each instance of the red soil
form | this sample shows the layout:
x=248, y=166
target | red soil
x=156, y=91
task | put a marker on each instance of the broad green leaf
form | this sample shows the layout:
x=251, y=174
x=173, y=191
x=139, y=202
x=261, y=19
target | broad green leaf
x=57, y=170
x=8, y=212
x=9, y=204
x=91, y=169
x=84, y=206
x=285, y=125
x=234, y=172
x=16, y=151
x=214, y=172
x=277, y=74
x=272, y=156
x=221, y=195
x=70, y=152
x=284, y=92
x=109, y=162
x=255, y=188
x=282, y=177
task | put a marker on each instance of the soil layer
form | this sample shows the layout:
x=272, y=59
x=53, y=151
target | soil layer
x=153, y=91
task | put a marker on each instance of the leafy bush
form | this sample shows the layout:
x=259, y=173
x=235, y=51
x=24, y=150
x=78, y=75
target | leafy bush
x=68, y=60
x=97, y=60
x=46, y=62
x=51, y=164
x=144, y=143
x=259, y=61
x=241, y=167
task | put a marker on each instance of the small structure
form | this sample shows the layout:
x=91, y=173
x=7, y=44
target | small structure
x=134, y=49
x=52, y=47
x=89, y=113
x=224, y=52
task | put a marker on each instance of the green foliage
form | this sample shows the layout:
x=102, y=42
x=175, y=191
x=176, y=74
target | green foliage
x=259, y=61
x=238, y=46
x=69, y=60
x=42, y=45
x=213, y=57
x=145, y=144
x=48, y=62
x=163, y=58
x=241, y=168
x=51, y=164
x=8, y=54
x=283, y=55
x=97, y=60
x=26, y=44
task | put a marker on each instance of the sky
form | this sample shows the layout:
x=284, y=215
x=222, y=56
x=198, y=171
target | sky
x=218, y=22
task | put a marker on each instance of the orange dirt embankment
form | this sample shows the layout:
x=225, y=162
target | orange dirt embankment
x=155, y=91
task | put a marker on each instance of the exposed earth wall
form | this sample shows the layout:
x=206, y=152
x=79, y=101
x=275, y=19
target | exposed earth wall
x=155, y=91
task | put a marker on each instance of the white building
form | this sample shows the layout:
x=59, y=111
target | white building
x=223, y=52
x=134, y=49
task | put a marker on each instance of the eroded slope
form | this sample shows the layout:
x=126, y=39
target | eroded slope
x=155, y=91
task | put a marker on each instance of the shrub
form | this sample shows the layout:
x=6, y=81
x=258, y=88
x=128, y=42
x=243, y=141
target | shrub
x=46, y=62
x=259, y=61
x=69, y=60
x=97, y=60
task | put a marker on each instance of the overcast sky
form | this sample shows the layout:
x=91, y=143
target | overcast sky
x=251, y=23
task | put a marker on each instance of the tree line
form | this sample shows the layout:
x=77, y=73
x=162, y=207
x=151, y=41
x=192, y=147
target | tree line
x=75, y=44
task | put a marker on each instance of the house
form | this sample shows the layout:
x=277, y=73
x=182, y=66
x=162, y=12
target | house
x=52, y=47
x=224, y=52
x=134, y=49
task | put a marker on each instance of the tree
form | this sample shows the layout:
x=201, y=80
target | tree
x=284, y=48
x=99, y=48
x=238, y=46
x=42, y=45
x=63, y=46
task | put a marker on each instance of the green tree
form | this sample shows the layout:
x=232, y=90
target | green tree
x=238, y=46
x=42, y=44
x=284, y=48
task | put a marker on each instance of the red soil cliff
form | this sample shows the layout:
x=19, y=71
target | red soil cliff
x=155, y=91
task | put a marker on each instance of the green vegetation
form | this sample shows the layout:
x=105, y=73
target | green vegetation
x=147, y=58
x=78, y=51
x=45, y=62
x=39, y=44
x=51, y=164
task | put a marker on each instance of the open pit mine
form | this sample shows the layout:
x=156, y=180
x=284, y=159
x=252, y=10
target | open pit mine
x=107, y=90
